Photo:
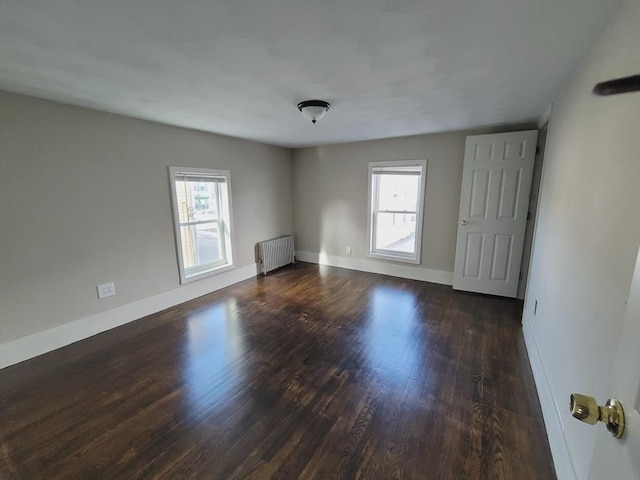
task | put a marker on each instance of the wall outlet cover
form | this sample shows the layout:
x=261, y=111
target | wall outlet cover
x=106, y=290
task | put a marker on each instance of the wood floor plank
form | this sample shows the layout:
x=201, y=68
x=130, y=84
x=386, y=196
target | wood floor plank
x=311, y=373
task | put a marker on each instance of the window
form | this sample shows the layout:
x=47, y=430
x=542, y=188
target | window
x=202, y=220
x=396, y=200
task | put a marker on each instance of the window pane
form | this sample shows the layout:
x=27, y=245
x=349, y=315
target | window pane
x=398, y=192
x=395, y=232
x=196, y=200
x=201, y=244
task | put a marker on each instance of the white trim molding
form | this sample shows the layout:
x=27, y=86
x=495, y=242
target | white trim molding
x=372, y=266
x=550, y=409
x=221, y=182
x=544, y=119
x=42, y=342
x=402, y=168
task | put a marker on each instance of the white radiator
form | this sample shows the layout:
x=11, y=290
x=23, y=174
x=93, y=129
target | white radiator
x=275, y=253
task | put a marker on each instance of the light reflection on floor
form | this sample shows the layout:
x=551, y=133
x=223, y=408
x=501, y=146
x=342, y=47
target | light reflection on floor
x=393, y=332
x=213, y=367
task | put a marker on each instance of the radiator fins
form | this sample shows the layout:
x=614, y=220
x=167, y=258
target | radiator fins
x=275, y=253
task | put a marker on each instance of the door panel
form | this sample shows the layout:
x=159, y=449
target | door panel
x=473, y=258
x=483, y=151
x=501, y=258
x=480, y=194
x=509, y=193
x=514, y=150
x=494, y=197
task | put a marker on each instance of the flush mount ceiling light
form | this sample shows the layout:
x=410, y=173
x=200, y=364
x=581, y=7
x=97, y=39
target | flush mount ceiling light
x=313, y=110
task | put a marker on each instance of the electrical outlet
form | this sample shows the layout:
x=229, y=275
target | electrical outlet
x=106, y=290
x=348, y=250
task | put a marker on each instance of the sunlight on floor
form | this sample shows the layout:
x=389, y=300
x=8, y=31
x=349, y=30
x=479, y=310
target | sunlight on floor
x=212, y=363
x=393, y=333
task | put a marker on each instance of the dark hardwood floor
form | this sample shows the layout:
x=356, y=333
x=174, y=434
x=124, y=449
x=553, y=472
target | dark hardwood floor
x=312, y=372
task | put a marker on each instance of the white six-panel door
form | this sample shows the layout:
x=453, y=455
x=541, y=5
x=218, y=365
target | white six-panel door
x=494, y=198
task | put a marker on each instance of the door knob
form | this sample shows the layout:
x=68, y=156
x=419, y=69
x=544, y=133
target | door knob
x=586, y=409
x=462, y=222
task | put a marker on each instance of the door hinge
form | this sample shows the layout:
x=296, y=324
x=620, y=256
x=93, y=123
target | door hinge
x=537, y=150
x=528, y=215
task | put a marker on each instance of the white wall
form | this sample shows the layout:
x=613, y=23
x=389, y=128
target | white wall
x=587, y=237
x=85, y=200
x=330, y=201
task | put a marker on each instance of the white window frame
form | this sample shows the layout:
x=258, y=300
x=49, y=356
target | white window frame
x=225, y=224
x=372, y=211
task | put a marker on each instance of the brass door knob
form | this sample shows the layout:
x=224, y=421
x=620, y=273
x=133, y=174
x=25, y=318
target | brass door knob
x=586, y=409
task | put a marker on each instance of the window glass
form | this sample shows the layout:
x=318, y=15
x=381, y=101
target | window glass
x=398, y=192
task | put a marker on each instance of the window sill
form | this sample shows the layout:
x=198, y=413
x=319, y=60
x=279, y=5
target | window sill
x=394, y=258
x=207, y=273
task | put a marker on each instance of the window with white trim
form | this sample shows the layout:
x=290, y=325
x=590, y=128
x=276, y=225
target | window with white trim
x=396, y=201
x=201, y=199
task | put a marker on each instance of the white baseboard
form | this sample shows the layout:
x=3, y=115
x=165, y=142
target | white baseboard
x=384, y=268
x=552, y=420
x=42, y=342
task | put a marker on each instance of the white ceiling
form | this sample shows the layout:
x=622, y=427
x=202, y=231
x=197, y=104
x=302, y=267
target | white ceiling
x=239, y=67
